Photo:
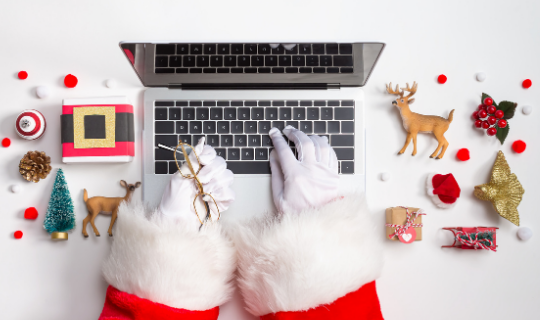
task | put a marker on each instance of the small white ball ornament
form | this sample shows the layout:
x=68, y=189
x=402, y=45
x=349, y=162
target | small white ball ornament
x=16, y=188
x=385, y=176
x=481, y=76
x=527, y=110
x=111, y=83
x=43, y=92
x=524, y=233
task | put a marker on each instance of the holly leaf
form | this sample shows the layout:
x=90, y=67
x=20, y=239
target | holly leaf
x=485, y=95
x=509, y=108
x=502, y=133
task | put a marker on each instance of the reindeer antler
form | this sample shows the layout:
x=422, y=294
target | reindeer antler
x=412, y=90
x=396, y=92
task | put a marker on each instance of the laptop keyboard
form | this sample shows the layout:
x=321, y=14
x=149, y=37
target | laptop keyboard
x=238, y=129
x=253, y=58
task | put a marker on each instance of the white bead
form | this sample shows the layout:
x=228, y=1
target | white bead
x=527, y=110
x=111, y=83
x=524, y=233
x=385, y=176
x=481, y=76
x=43, y=92
x=15, y=188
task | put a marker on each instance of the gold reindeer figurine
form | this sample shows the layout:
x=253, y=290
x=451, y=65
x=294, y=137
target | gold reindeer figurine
x=415, y=122
x=97, y=205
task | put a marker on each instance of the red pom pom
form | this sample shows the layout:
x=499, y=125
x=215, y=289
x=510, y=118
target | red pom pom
x=31, y=213
x=6, y=142
x=527, y=83
x=18, y=234
x=463, y=154
x=519, y=146
x=70, y=81
x=442, y=79
x=22, y=75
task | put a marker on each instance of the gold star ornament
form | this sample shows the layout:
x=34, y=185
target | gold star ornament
x=503, y=190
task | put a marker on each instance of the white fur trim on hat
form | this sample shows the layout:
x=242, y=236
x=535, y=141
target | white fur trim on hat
x=162, y=260
x=300, y=261
x=435, y=198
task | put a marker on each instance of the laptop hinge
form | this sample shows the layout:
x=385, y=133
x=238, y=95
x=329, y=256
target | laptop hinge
x=254, y=86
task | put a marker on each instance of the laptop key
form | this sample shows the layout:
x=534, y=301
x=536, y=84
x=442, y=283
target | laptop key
x=264, y=127
x=285, y=113
x=327, y=114
x=257, y=61
x=195, y=127
x=189, y=61
x=257, y=114
x=313, y=113
x=168, y=140
x=347, y=167
x=299, y=113
x=223, y=48
x=162, y=61
x=299, y=61
x=210, y=48
x=250, y=127
x=342, y=140
x=237, y=48
x=223, y=70
x=343, y=61
x=248, y=167
x=233, y=154
x=312, y=61
x=226, y=141
x=172, y=167
x=230, y=61
x=345, y=48
x=347, y=103
x=237, y=127
x=292, y=103
x=221, y=152
x=344, y=114
x=203, y=61
x=280, y=125
x=264, y=49
x=254, y=140
x=165, y=48
x=175, y=61
x=285, y=61
x=333, y=103
x=196, y=48
x=271, y=113
x=250, y=103
x=240, y=140
x=243, y=61
x=162, y=154
x=319, y=127
x=181, y=127
x=237, y=70
x=243, y=113
x=305, y=70
x=237, y=103
x=266, y=141
x=202, y=113
x=318, y=48
x=197, y=138
x=223, y=127
x=326, y=61
x=294, y=124
x=195, y=70
x=182, y=70
x=291, y=70
x=250, y=70
x=223, y=103
x=160, y=113
x=293, y=50
x=161, y=167
x=306, y=126
x=261, y=154
x=209, y=127
x=250, y=48
x=347, y=126
x=185, y=138
x=347, y=70
x=344, y=153
x=333, y=126
x=278, y=50
x=213, y=140
x=230, y=114
x=271, y=61
x=264, y=70
x=305, y=48
x=164, y=70
x=248, y=153
x=332, y=70
x=163, y=126
x=278, y=103
x=332, y=48
x=182, y=48
x=216, y=113
x=216, y=61
x=306, y=103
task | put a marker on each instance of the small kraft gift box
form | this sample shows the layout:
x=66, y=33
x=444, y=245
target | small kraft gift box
x=97, y=130
x=404, y=224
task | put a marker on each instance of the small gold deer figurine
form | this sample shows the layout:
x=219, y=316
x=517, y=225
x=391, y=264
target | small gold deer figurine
x=415, y=122
x=96, y=205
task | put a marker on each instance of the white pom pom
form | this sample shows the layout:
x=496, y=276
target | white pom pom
x=385, y=176
x=524, y=233
x=481, y=76
x=527, y=110
x=15, y=188
x=111, y=83
x=43, y=92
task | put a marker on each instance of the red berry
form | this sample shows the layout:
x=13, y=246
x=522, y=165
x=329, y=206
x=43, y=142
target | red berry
x=492, y=131
x=519, y=146
x=475, y=115
x=70, y=81
x=491, y=109
x=463, y=154
x=485, y=124
x=527, y=83
x=478, y=123
x=18, y=234
x=481, y=107
x=488, y=101
x=31, y=213
x=502, y=123
x=491, y=120
x=442, y=78
x=482, y=113
x=6, y=142
x=499, y=114
x=22, y=75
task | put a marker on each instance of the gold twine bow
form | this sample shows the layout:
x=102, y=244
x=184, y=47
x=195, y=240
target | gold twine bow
x=193, y=176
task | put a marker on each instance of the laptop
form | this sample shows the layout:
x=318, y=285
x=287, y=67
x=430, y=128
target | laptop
x=234, y=93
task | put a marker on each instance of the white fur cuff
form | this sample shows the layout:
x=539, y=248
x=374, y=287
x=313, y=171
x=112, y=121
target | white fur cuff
x=300, y=261
x=156, y=258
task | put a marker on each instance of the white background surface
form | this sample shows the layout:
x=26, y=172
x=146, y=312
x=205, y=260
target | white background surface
x=49, y=39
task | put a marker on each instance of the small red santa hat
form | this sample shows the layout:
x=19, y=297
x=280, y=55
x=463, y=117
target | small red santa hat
x=443, y=189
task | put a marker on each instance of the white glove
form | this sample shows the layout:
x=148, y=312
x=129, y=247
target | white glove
x=309, y=182
x=177, y=200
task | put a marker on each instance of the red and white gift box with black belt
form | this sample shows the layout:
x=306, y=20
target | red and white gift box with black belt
x=97, y=130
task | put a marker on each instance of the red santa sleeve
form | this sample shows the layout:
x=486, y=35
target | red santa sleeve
x=319, y=264
x=160, y=269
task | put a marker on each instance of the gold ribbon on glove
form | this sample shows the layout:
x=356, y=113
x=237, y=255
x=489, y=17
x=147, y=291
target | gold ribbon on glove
x=193, y=176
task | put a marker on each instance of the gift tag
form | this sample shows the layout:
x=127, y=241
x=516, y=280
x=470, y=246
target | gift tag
x=408, y=236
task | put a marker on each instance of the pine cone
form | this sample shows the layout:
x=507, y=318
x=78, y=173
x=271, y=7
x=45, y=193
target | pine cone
x=35, y=165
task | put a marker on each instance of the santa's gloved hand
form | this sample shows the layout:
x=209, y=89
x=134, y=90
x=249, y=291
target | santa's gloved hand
x=216, y=179
x=309, y=182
